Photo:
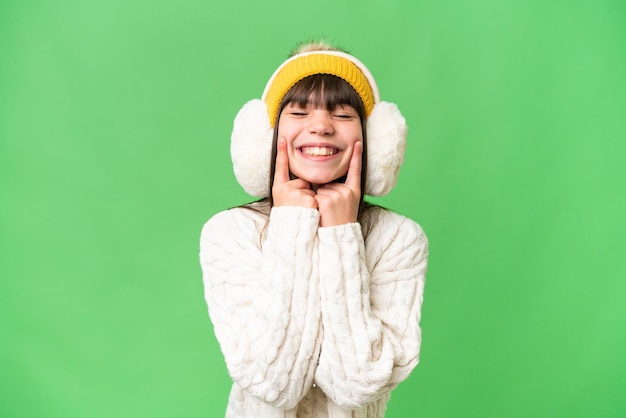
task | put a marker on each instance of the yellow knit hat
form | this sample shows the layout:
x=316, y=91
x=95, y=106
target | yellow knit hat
x=305, y=64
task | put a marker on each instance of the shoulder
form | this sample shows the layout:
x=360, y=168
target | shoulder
x=248, y=219
x=393, y=244
x=255, y=220
x=379, y=221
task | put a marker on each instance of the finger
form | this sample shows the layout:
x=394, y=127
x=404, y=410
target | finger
x=330, y=188
x=302, y=184
x=281, y=170
x=353, y=180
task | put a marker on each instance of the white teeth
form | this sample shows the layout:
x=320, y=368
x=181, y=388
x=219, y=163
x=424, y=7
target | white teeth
x=318, y=151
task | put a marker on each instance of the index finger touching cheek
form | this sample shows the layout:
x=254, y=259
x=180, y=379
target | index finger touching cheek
x=281, y=170
x=353, y=179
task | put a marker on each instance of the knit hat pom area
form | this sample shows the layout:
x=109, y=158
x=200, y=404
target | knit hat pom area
x=251, y=139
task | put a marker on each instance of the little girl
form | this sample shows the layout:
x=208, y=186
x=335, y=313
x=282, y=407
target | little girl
x=314, y=294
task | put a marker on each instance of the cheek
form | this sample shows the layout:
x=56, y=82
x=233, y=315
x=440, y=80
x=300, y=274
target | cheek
x=356, y=133
x=287, y=131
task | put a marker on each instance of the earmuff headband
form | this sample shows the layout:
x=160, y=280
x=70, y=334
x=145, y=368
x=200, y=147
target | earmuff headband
x=251, y=139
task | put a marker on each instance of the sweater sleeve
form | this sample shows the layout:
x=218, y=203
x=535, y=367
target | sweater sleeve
x=371, y=298
x=264, y=307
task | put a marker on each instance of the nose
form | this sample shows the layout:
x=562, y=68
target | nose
x=321, y=122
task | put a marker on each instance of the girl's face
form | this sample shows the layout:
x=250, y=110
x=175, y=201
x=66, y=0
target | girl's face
x=320, y=142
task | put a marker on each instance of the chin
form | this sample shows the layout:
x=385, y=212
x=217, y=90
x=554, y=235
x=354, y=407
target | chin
x=320, y=181
x=321, y=177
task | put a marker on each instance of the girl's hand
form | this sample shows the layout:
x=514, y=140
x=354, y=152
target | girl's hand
x=338, y=203
x=287, y=192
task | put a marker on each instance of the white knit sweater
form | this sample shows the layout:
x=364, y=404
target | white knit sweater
x=314, y=321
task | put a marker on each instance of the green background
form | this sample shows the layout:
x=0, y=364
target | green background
x=115, y=120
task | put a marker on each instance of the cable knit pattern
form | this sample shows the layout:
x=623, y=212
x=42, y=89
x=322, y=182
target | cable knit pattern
x=314, y=322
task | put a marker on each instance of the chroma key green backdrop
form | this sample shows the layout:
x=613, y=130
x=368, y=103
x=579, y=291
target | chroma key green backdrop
x=115, y=120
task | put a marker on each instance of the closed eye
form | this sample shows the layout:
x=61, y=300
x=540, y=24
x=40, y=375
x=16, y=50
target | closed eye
x=344, y=116
x=345, y=112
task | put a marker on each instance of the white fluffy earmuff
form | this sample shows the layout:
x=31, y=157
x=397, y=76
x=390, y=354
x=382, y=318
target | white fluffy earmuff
x=386, y=143
x=251, y=148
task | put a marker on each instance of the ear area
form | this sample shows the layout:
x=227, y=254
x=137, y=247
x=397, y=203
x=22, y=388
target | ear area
x=386, y=144
x=251, y=148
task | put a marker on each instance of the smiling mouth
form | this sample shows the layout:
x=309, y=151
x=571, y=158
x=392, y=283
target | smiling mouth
x=319, y=151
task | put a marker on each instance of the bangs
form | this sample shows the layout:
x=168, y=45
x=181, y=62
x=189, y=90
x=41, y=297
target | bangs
x=325, y=91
